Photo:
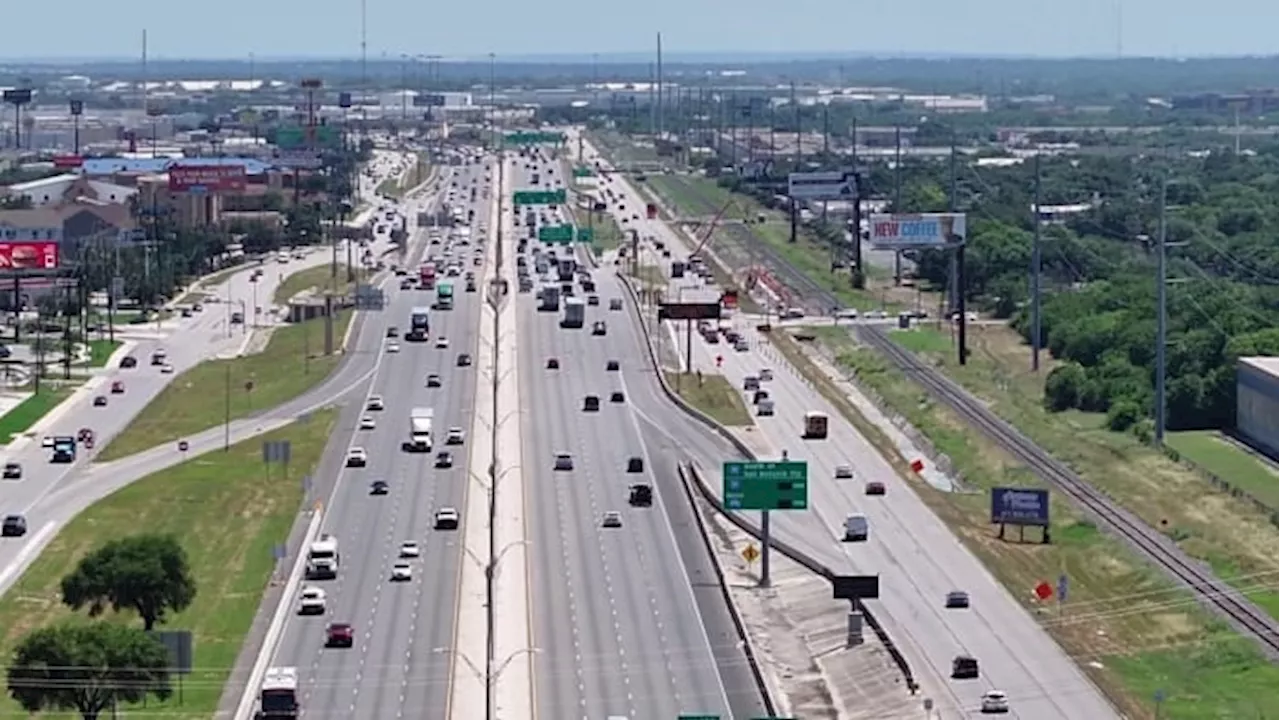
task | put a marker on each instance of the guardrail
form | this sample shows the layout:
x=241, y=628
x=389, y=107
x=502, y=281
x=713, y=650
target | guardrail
x=791, y=553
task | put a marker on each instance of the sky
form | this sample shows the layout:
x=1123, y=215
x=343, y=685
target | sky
x=331, y=28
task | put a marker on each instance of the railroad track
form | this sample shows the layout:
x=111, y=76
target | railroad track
x=1208, y=588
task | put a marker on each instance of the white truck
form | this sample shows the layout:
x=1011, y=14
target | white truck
x=420, y=439
x=323, y=558
x=278, y=699
x=575, y=313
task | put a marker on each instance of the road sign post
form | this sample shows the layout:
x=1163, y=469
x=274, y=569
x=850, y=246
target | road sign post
x=539, y=197
x=559, y=234
x=765, y=486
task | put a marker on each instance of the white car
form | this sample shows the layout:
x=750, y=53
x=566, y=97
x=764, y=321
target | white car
x=456, y=436
x=409, y=549
x=166, y=369
x=393, y=347
x=844, y=472
x=442, y=342
x=311, y=601
x=447, y=519
x=367, y=423
x=357, y=457
x=401, y=571
x=995, y=701
x=375, y=403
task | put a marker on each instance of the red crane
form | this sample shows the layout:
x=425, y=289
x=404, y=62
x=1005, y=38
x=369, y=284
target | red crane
x=709, y=230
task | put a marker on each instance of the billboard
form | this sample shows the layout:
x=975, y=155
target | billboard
x=207, y=178
x=927, y=230
x=428, y=100
x=817, y=186
x=17, y=96
x=28, y=256
x=689, y=311
x=67, y=162
x=77, y=107
x=294, y=137
x=1020, y=506
x=344, y=100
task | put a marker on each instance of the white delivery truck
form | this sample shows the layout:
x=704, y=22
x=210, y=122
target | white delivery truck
x=322, y=558
x=420, y=429
x=278, y=698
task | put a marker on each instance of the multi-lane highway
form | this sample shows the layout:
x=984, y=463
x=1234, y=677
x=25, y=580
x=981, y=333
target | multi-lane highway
x=918, y=559
x=396, y=667
x=618, y=624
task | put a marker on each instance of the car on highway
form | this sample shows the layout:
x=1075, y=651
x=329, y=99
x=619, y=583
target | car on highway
x=375, y=403
x=339, y=635
x=611, y=366
x=447, y=519
x=615, y=304
x=456, y=436
x=99, y=400
x=995, y=701
x=844, y=472
x=612, y=519
x=128, y=362
x=311, y=601
x=553, y=363
x=464, y=360
x=617, y=397
x=444, y=459
x=593, y=300
x=598, y=328
x=117, y=387
x=166, y=369
x=640, y=495
x=442, y=343
x=564, y=461
x=433, y=380
x=357, y=457
x=12, y=471
x=591, y=403
x=957, y=599
x=765, y=374
x=393, y=331
x=964, y=667
x=401, y=572
x=13, y=526
x=368, y=423
x=635, y=465
x=875, y=487
x=393, y=347
x=410, y=549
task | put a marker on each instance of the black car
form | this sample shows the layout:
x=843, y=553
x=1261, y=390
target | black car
x=553, y=363
x=444, y=460
x=13, y=526
x=379, y=487
x=964, y=667
x=12, y=471
x=635, y=465
x=617, y=397
x=393, y=331
x=640, y=495
x=598, y=328
x=591, y=403
x=128, y=361
x=100, y=401
x=464, y=360
x=611, y=366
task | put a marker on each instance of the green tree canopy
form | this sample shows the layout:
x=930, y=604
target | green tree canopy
x=87, y=668
x=148, y=573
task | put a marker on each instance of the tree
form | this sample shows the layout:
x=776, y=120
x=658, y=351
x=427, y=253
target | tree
x=87, y=668
x=148, y=573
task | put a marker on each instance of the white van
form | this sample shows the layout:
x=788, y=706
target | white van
x=856, y=528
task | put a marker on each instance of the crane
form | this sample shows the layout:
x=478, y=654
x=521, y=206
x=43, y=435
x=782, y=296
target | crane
x=709, y=230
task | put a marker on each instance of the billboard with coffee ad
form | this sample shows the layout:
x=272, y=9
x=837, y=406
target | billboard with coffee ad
x=28, y=256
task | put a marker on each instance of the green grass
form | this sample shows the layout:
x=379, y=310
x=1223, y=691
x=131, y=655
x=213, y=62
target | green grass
x=197, y=399
x=221, y=276
x=1209, y=450
x=100, y=351
x=319, y=278
x=923, y=339
x=26, y=413
x=714, y=395
x=228, y=517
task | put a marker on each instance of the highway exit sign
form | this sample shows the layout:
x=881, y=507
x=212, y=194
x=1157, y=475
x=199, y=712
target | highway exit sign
x=539, y=197
x=782, y=485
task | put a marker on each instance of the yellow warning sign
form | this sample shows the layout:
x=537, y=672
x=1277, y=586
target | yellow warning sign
x=750, y=554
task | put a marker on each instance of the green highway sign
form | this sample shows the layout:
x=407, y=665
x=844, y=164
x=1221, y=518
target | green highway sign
x=766, y=485
x=586, y=235
x=583, y=171
x=562, y=234
x=539, y=197
x=535, y=138
x=293, y=137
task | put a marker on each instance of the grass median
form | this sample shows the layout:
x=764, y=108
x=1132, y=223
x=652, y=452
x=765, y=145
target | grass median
x=1129, y=628
x=206, y=395
x=714, y=396
x=320, y=278
x=26, y=413
x=227, y=515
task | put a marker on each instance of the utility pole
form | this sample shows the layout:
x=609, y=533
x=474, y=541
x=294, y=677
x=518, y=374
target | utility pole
x=659, y=118
x=1162, y=315
x=795, y=115
x=953, y=199
x=897, y=198
x=857, y=279
x=364, y=67
x=957, y=268
x=1035, y=274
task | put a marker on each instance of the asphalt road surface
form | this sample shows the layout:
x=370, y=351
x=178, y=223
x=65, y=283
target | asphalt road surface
x=624, y=620
x=394, y=669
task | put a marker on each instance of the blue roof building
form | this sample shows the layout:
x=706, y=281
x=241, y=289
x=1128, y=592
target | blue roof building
x=111, y=166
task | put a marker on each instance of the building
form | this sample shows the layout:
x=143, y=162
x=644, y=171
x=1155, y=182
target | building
x=70, y=187
x=149, y=177
x=1256, y=390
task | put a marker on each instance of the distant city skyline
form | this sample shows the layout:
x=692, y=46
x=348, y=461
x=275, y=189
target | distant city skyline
x=328, y=29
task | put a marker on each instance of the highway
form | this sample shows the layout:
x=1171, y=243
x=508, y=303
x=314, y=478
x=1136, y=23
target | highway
x=917, y=557
x=618, y=625
x=49, y=495
x=395, y=668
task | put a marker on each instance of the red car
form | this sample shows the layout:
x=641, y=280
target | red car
x=117, y=387
x=340, y=635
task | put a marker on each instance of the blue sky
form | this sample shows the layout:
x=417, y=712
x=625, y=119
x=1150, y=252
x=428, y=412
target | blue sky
x=331, y=28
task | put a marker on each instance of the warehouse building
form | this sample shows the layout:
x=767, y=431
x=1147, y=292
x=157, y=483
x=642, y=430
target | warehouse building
x=1256, y=390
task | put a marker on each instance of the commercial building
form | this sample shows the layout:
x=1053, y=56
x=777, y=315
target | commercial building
x=1256, y=390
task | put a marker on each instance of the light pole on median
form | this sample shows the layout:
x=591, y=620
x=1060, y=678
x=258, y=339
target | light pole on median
x=488, y=677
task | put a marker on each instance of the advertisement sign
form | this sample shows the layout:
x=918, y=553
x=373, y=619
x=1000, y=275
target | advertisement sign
x=297, y=160
x=207, y=178
x=294, y=137
x=28, y=256
x=1020, y=506
x=928, y=230
x=67, y=162
x=344, y=100
x=818, y=186
x=77, y=108
x=17, y=96
x=428, y=100
x=689, y=311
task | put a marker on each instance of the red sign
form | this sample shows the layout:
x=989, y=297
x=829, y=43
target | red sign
x=651, y=211
x=1043, y=590
x=729, y=300
x=28, y=256
x=67, y=162
x=207, y=179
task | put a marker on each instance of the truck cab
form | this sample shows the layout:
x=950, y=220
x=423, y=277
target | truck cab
x=815, y=425
x=278, y=698
x=323, y=558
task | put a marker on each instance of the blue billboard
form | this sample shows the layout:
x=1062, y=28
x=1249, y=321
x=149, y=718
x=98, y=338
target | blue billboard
x=1020, y=506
